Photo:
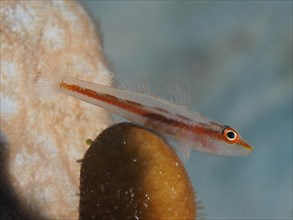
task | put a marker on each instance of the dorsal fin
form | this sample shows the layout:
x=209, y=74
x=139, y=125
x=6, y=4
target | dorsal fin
x=176, y=91
x=129, y=79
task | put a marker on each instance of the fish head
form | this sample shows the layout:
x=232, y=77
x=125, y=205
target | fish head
x=221, y=140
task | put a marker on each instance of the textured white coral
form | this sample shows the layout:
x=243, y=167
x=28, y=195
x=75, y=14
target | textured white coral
x=46, y=135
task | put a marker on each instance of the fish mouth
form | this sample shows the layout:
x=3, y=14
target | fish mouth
x=248, y=149
x=245, y=145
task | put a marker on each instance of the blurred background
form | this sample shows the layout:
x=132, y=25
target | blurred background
x=236, y=58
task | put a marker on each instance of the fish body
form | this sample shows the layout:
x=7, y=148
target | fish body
x=191, y=129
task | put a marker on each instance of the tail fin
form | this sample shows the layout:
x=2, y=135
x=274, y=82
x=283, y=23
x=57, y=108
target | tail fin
x=46, y=78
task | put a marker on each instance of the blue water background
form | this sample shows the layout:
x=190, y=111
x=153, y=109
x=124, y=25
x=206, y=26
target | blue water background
x=236, y=57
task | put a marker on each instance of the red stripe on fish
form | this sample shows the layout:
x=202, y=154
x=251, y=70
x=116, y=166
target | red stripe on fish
x=112, y=100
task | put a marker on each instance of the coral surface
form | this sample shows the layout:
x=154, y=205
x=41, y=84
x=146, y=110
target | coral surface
x=44, y=135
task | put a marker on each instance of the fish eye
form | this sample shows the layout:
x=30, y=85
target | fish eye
x=231, y=136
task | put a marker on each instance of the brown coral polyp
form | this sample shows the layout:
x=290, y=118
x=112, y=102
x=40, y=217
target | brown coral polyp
x=131, y=173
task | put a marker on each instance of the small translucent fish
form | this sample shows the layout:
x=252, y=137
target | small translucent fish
x=191, y=130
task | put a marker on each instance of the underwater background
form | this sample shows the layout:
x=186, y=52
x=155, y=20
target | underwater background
x=236, y=58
